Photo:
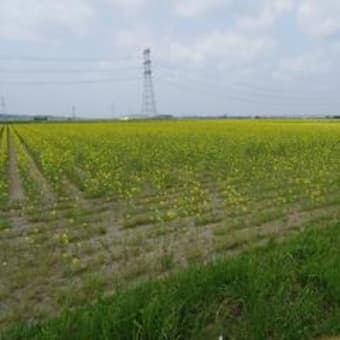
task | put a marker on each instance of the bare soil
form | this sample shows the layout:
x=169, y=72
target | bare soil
x=16, y=191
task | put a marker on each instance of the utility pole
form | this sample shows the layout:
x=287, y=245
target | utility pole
x=149, y=102
x=3, y=105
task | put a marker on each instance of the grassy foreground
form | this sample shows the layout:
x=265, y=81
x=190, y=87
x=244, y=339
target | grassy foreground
x=283, y=291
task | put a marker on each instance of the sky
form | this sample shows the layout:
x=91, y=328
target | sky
x=209, y=57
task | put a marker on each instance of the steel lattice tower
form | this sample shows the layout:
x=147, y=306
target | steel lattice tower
x=149, y=102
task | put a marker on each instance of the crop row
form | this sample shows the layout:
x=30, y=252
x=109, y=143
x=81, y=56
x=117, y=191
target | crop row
x=196, y=190
x=3, y=165
x=125, y=162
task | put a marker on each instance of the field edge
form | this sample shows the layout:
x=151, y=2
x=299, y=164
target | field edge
x=287, y=290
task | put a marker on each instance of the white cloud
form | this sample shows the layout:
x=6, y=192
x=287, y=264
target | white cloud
x=129, y=6
x=133, y=41
x=30, y=19
x=249, y=10
x=229, y=46
x=318, y=18
x=302, y=66
x=128, y=3
x=265, y=16
x=225, y=48
x=194, y=8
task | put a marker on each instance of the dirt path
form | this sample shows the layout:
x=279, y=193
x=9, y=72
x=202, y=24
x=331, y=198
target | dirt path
x=16, y=191
x=37, y=176
x=77, y=195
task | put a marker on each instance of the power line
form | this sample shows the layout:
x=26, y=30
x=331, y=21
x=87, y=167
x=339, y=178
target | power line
x=107, y=59
x=207, y=83
x=253, y=92
x=70, y=70
x=257, y=89
x=230, y=96
x=67, y=82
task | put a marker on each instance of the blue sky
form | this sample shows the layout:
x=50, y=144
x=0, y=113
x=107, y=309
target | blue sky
x=210, y=57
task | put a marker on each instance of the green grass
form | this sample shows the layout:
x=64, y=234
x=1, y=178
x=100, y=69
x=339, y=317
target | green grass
x=282, y=291
x=4, y=223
